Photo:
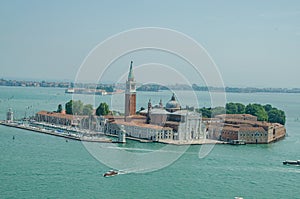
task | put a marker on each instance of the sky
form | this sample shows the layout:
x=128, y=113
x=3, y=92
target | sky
x=253, y=43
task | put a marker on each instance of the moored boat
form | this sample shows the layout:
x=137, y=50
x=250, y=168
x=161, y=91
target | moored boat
x=237, y=142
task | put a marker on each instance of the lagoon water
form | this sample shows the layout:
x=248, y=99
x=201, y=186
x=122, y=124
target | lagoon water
x=35, y=165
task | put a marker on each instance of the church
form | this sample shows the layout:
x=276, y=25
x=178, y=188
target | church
x=156, y=123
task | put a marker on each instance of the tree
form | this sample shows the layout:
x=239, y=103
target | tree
x=276, y=116
x=235, y=108
x=69, y=107
x=78, y=107
x=103, y=109
x=262, y=112
x=240, y=108
x=268, y=107
x=206, y=112
x=258, y=111
x=87, y=109
x=217, y=111
x=59, y=108
x=74, y=107
x=231, y=108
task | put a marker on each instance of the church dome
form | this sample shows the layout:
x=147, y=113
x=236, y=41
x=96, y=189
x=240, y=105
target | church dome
x=172, y=105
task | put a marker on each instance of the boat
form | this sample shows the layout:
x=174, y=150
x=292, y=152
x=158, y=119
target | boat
x=237, y=142
x=110, y=173
x=292, y=162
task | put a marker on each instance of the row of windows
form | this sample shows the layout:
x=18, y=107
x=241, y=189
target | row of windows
x=256, y=134
x=230, y=132
x=164, y=136
x=161, y=134
x=167, y=135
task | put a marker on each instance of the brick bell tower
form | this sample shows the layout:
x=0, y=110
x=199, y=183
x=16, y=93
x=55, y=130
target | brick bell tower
x=130, y=94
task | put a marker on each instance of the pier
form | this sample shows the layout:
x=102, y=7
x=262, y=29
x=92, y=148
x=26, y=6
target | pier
x=91, y=136
x=81, y=136
x=78, y=137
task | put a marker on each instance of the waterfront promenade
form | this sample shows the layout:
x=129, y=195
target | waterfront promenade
x=91, y=136
x=193, y=142
x=79, y=137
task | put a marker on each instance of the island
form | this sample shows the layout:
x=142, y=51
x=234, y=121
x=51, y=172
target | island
x=165, y=123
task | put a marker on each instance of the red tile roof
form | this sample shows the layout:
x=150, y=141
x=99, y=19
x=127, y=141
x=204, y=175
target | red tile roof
x=140, y=124
x=58, y=115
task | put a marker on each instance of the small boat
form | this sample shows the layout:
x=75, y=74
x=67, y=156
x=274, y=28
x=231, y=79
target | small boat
x=237, y=142
x=292, y=162
x=110, y=173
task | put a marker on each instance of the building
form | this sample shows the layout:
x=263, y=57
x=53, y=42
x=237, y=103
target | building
x=156, y=123
x=94, y=123
x=57, y=118
x=130, y=94
x=245, y=127
x=140, y=130
x=247, y=117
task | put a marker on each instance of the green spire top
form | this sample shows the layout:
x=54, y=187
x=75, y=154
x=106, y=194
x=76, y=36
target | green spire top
x=130, y=75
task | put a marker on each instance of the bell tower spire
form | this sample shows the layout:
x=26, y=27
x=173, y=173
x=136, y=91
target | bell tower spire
x=130, y=74
x=130, y=93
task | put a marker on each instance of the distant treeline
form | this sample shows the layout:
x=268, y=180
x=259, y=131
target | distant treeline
x=107, y=88
x=147, y=87
x=246, y=90
x=262, y=112
x=155, y=87
x=152, y=87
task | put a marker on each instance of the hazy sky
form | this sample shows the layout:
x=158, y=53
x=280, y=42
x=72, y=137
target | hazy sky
x=253, y=43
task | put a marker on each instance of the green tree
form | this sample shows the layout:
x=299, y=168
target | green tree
x=59, y=108
x=87, y=109
x=240, y=108
x=69, y=107
x=276, y=116
x=217, y=111
x=268, y=107
x=74, y=107
x=235, y=108
x=206, y=112
x=231, y=108
x=258, y=111
x=103, y=109
x=77, y=107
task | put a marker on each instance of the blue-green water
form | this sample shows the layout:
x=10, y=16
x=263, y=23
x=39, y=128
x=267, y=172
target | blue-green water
x=40, y=166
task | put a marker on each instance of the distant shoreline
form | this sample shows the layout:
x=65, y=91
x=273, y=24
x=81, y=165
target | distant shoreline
x=148, y=88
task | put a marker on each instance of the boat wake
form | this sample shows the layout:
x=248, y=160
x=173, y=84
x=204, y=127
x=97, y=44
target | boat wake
x=135, y=160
